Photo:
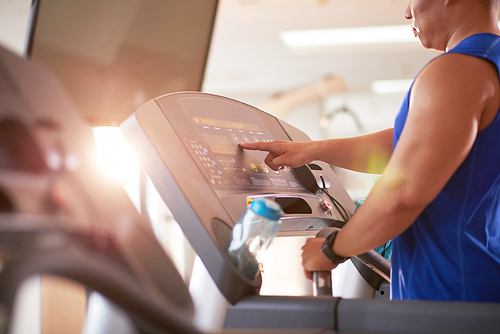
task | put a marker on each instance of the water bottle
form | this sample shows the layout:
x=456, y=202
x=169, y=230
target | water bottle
x=252, y=235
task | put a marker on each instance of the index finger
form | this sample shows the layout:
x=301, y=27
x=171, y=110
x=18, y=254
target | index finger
x=258, y=146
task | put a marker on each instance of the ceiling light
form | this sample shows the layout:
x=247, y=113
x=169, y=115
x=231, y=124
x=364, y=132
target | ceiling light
x=348, y=36
x=391, y=86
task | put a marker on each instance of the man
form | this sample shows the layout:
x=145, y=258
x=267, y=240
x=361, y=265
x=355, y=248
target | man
x=439, y=194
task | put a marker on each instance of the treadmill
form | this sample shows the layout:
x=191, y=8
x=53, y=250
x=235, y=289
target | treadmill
x=97, y=238
x=188, y=144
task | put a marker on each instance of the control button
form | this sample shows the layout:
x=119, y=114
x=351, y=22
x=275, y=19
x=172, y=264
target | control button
x=264, y=168
x=325, y=205
x=255, y=169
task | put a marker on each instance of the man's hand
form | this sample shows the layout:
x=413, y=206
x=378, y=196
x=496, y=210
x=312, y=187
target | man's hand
x=283, y=153
x=313, y=259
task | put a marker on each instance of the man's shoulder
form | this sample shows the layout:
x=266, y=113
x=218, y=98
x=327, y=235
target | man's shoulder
x=457, y=66
x=457, y=82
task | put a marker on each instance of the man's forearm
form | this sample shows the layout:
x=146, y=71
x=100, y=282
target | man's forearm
x=367, y=153
x=385, y=214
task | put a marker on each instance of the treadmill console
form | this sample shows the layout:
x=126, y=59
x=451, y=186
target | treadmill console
x=212, y=140
x=188, y=144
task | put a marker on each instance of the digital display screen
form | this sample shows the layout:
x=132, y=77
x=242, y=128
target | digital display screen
x=226, y=124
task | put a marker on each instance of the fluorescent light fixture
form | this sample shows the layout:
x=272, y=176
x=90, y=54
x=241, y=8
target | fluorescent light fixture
x=391, y=86
x=348, y=36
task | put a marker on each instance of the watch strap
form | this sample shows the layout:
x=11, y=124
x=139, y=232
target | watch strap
x=327, y=249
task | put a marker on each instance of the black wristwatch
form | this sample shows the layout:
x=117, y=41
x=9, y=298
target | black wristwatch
x=327, y=249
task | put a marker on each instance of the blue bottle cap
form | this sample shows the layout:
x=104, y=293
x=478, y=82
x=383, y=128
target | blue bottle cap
x=267, y=208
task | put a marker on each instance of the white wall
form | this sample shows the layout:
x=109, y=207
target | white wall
x=14, y=15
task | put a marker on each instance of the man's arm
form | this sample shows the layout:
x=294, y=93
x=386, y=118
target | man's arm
x=453, y=98
x=368, y=153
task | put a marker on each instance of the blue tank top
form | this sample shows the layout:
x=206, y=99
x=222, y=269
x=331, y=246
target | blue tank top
x=452, y=251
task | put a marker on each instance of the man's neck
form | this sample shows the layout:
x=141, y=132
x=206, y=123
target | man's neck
x=473, y=20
